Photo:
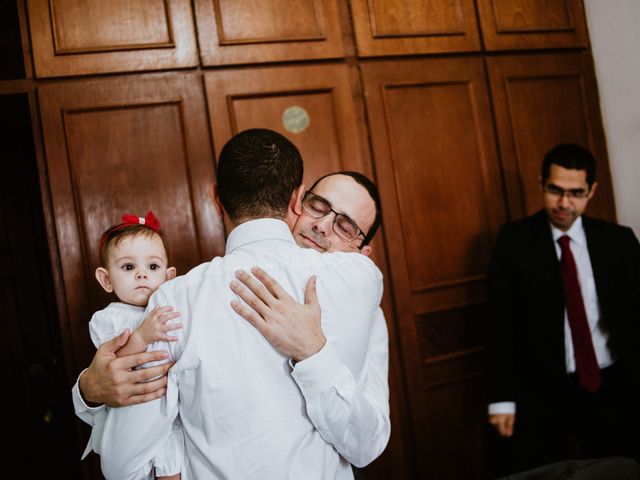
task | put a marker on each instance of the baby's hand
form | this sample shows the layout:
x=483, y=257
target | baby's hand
x=154, y=328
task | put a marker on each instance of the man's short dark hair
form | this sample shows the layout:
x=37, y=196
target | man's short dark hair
x=257, y=172
x=570, y=156
x=373, y=193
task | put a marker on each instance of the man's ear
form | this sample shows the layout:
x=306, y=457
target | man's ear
x=294, y=210
x=102, y=275
x=366, y=250
x=171, y=273
x=215, y=198
x=214, y=194
x=296, y=199
x=592, y=191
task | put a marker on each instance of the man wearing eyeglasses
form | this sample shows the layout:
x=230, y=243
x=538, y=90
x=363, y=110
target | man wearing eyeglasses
x=356, y=198
x=564, y=297
x=340, y=212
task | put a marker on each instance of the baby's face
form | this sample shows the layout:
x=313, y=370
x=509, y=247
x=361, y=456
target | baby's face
x=137, y=266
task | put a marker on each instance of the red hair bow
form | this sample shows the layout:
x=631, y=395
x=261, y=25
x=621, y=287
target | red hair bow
x=149, y=220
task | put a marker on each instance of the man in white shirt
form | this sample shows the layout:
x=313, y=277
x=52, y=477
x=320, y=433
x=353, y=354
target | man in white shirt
x=340, y=212
x=564, y=297
x=242, y=411
x=365, y=411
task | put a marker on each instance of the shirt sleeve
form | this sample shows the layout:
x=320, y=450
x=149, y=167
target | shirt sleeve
x=83, y=411
x=349, y=292
x=502, y=408
x=134, y=435
x=352, y=415
x=94, y=416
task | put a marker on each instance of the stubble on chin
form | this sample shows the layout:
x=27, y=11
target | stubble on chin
x=309, y=241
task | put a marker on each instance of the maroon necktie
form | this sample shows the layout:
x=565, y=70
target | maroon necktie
x=586, y=363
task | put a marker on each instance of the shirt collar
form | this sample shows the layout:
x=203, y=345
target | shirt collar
x=258, y=230
x=575, y=233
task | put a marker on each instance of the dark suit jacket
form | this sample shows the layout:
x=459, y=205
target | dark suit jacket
x=526, y=304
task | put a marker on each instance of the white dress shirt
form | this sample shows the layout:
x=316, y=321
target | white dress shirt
x=83, y=411
x=599, y=337
x=363, y=405
x=352, y=415
x=580, y=251
x=244, y=412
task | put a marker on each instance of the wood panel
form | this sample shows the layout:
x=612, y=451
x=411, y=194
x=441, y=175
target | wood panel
x=439, y=178
x=406, y=27
x=312, y=105
x=319, y=109
x=72, y=37
x=526, y=24
x=250, y=31
x=540, y=101
x=131, y=143
x=126, y=145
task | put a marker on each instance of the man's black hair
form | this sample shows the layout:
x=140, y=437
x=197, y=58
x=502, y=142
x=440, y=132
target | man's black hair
x=257, y=172
x=570, y=156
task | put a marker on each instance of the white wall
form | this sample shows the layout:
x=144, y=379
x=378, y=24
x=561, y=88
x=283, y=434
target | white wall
x=614, y=28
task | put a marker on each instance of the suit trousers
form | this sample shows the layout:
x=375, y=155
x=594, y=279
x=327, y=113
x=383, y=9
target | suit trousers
x=617, y=468
x=605, y=423
x=574, y=424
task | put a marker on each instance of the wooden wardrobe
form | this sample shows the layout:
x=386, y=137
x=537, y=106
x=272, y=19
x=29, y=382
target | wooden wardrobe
x=449, y=105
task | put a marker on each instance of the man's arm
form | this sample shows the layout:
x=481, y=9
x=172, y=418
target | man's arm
x=352, y=415
x=502, y=312
x=502, y=415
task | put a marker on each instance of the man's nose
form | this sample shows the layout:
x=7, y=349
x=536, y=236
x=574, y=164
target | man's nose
x=563, y=201
x=324, y=224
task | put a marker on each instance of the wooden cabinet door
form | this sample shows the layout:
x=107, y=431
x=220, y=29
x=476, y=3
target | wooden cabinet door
x=406, y=27
x=71, y=37
x=318, y=108
x=539, y=102
x=248, y=31
x=312, y=105
x=439, y=179
x=525, y=24
x=125, y=145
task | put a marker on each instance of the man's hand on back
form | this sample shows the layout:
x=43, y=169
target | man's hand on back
x=112, y=381
x=294, y=329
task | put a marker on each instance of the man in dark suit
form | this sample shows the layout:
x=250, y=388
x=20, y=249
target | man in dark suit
x=565, y=318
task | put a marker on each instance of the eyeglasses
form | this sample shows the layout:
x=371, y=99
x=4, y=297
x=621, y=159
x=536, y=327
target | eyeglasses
x=576, y=193
x=318, y=207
